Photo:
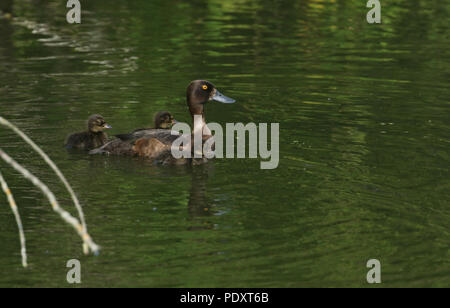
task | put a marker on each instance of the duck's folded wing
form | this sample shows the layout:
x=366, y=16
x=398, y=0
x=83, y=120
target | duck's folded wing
x=125, y=147
x=164, y=135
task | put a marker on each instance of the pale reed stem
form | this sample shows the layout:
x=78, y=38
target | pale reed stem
x=54, y=203
x=13, y=205
x=8, y=124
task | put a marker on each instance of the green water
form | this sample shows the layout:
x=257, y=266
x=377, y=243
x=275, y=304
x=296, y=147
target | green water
x=364, y=142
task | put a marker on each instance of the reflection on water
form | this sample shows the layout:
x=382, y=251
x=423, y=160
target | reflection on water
x=198, y=204
x=364, y=142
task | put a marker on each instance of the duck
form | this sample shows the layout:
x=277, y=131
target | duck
x=161, y=120
x=155, y=144
x=93, y=138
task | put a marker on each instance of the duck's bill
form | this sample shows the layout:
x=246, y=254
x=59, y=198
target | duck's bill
x=107, y=126
x=219, y=97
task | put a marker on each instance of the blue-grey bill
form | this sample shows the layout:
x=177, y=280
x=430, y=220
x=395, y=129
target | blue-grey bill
x=108, y=126
x=219, y=97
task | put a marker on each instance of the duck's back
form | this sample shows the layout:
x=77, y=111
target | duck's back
x=124, y=145
x=130, y=136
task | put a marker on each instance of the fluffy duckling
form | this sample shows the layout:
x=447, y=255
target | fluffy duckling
x=162, y=120
x=91, y=139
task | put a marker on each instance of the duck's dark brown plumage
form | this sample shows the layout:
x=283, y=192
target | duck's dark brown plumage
x=155, y=144
x=125, y=147
x=93, y=138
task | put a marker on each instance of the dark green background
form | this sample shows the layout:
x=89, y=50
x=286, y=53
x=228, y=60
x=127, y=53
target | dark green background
x=364, y=131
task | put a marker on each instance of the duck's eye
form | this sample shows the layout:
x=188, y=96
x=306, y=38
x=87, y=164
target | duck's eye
x=205, y=87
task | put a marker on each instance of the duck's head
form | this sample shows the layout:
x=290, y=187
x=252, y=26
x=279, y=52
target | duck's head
x=164, y=120
x=199, y=92
x=96, y=124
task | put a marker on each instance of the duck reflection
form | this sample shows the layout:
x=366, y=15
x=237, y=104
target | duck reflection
x=198, y=205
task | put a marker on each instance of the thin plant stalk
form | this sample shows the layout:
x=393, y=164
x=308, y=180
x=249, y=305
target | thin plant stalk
x=52, y=165
x=54, y=203
x=13, y=205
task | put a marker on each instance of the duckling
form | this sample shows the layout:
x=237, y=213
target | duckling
x=155, y=144
x=93, y=138
x=162, y=120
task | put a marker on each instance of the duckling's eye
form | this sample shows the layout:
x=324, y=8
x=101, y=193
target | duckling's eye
x=205, y=87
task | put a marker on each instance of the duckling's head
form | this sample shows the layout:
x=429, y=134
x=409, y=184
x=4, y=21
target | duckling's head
x=199, y=92
x=164, y=120
x=96, y=124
